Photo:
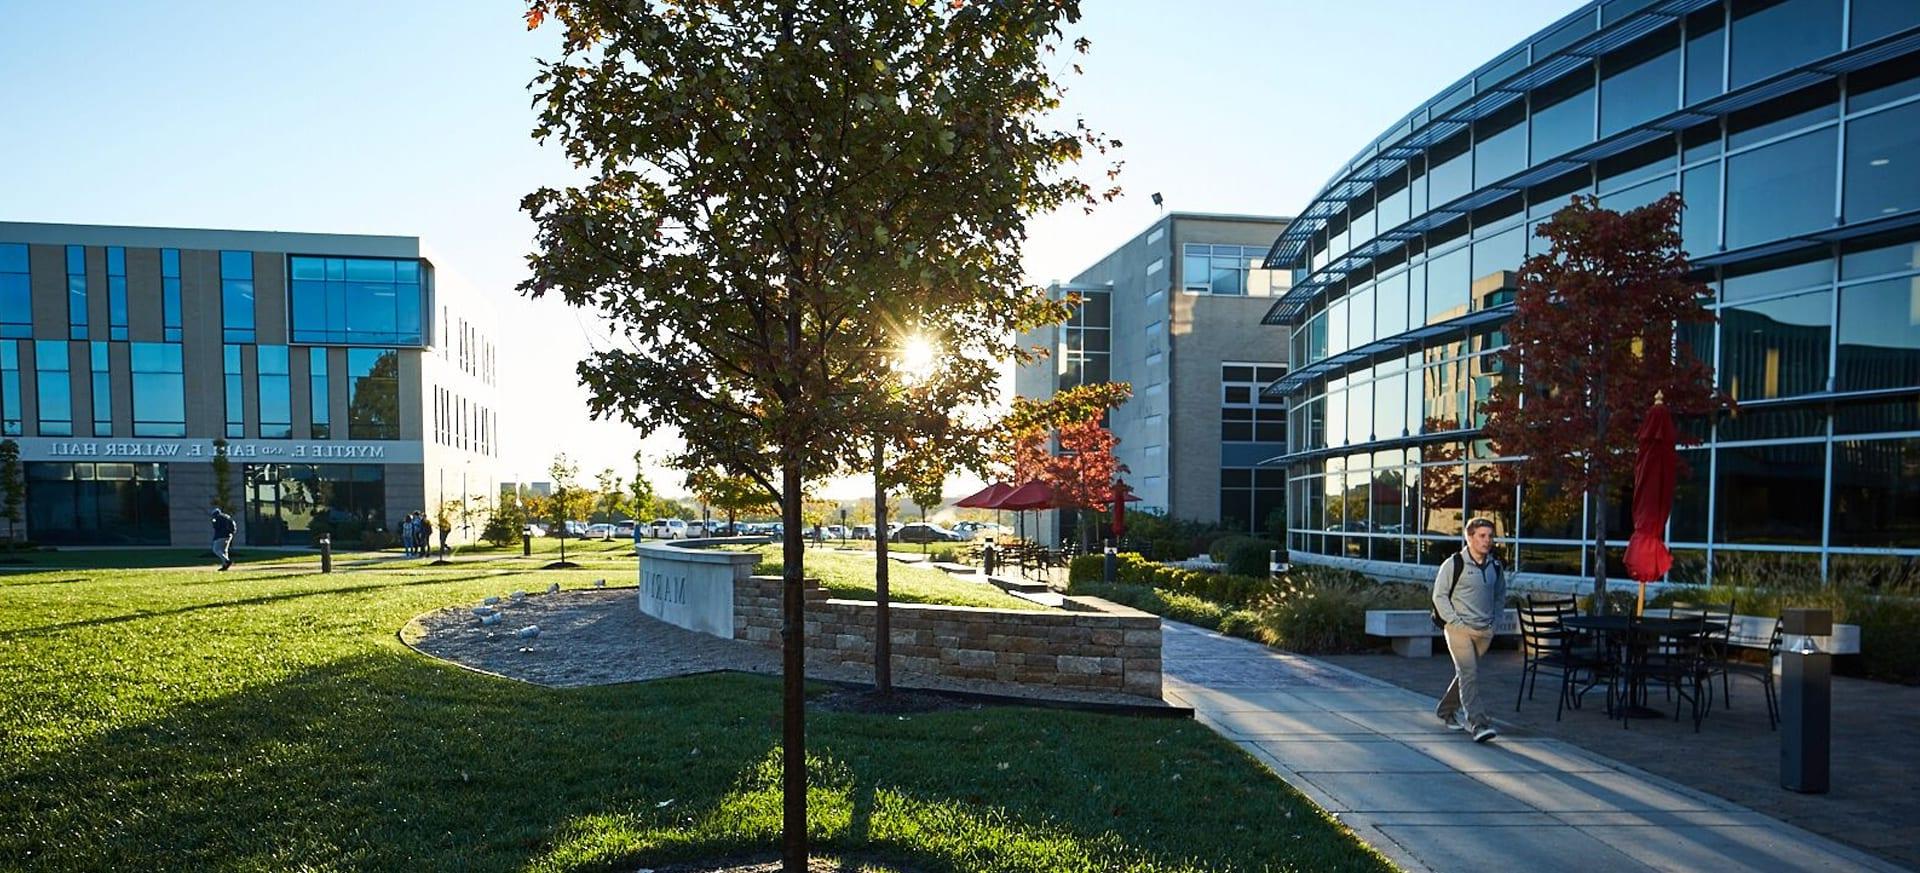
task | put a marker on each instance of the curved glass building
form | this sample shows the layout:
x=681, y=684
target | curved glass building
x=1791, y=127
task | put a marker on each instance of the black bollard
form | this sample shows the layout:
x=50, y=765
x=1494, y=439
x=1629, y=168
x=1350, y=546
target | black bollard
x=526, y=543
x=1112, y=564
x=1806, y=701
x=326, y=553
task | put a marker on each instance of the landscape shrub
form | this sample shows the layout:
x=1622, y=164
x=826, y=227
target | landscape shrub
x=1321, y=610
x=1888, y=616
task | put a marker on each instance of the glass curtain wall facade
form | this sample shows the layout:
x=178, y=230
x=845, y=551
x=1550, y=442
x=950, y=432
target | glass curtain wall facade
x=1792, y=129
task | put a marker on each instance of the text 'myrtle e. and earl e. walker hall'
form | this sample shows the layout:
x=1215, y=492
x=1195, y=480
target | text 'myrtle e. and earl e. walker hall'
x=350, y=387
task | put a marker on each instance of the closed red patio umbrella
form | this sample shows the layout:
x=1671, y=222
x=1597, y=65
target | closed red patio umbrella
x=1654, y=476
x=1120, y=496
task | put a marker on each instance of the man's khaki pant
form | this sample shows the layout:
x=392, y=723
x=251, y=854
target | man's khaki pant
x=1466, y=645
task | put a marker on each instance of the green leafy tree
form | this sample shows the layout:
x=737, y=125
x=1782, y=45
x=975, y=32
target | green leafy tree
x=505, y=522
x=774, y=190
x=13, y=490
x=733, y=495
x=1595, y=340
x=222, y=476
x=568, y=502
x=612, y=497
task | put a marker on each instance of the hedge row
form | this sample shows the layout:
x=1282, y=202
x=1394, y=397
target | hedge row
x=1311, y=610
x=1230, y=590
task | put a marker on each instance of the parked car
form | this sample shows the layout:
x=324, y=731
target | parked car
x=836, y=532
x=668, y=529
x=574, y=529
x=926, y=533
x=863, y=531
x=536, y=529
x=624, y=527
x=599, y=530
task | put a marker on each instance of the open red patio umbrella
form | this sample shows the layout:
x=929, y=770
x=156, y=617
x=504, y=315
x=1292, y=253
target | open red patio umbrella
x=1120, y=496
x=1654, y=475
x=1031, y=495
x=985, y=498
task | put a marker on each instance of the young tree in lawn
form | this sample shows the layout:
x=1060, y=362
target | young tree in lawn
x=730, y=494
x=1592, y=343
x=611, y=498
x=772, y=190
x=13, y=489
x=568, y=500
x=1084, y=471
x=222, y=476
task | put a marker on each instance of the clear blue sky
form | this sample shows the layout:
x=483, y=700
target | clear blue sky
x=412, y=118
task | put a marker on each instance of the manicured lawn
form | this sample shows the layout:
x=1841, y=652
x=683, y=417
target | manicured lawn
x=849, y=575
x=268, y=719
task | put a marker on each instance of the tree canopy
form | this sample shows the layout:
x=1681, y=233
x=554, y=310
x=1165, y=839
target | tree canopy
x=1594, y=340
x=778, y=192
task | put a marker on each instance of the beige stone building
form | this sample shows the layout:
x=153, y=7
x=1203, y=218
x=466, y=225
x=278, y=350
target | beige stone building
x=1176, y=312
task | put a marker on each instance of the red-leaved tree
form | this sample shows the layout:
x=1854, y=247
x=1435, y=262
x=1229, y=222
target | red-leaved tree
x=1592, y=343
x=1083, y=472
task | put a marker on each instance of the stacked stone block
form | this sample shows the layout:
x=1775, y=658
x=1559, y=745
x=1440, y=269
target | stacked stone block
x=1112, y=649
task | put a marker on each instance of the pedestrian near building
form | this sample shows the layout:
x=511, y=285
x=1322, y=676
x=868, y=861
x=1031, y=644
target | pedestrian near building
x=223, y=528
x=1469, y=592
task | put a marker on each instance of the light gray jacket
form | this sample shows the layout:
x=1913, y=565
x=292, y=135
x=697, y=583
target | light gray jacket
x=1479, y=596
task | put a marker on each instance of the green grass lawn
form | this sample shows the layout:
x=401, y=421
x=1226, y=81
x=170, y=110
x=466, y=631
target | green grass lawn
x=267, y=718
x=849, y=575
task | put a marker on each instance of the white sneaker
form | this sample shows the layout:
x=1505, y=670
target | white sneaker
x=1484, y=734
x=1453, y=722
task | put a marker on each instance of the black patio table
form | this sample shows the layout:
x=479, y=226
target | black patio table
x=1644, y=633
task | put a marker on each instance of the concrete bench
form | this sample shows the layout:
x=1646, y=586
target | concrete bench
x=1411, y=631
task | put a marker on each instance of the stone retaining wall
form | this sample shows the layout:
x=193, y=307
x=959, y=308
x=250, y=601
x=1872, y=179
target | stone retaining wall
x=1114, y=649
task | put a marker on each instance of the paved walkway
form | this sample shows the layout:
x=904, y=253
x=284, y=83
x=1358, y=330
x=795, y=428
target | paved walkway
x=1431, y=799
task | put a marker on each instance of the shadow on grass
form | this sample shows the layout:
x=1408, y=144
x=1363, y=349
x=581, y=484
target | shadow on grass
x=226, y=604
x=378, y=761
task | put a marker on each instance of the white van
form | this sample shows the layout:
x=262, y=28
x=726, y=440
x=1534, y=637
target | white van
x=667, y=529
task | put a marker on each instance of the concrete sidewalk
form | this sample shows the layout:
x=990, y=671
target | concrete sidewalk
x=1428, y=798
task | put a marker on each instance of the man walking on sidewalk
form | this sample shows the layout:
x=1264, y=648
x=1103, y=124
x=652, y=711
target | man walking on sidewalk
x=1469, y=593
x=223, y=528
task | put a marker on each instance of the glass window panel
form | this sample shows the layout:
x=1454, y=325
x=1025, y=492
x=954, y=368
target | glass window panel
x=1502, y=251
x=1879, y=342
x=1773, y=422
x=1635, y=165
x=307, y=268
x=1638, y=195
x=1877, y=416
x=1877, y=86
x=1451, y=175
x=373, y=409
x=1390, y=406
x=1872, y=19
x=1770, y=494
x=1777, y=348
x=1688, y=521
x=1360, y=318
x=1883, y=164
x=1706, y=53
x=1360, y=413
x=1784, y=115
x=1775, y=275
x=1769, y=37
x=236, y=265
x=1500, y=149
x=1563, y=115
x=1448, y=279
x=13, y=258
x=1390, y=317
x=1700, y=220
x=1781, y=190
x=1640, y=82
x=1878, y=256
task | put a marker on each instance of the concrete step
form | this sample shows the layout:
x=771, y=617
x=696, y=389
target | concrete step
x=1016, y=585
x=955, y=569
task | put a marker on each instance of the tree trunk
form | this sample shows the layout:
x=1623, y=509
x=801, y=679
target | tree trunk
x=1597, y=537
x=882, y=623
x=793, y=668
